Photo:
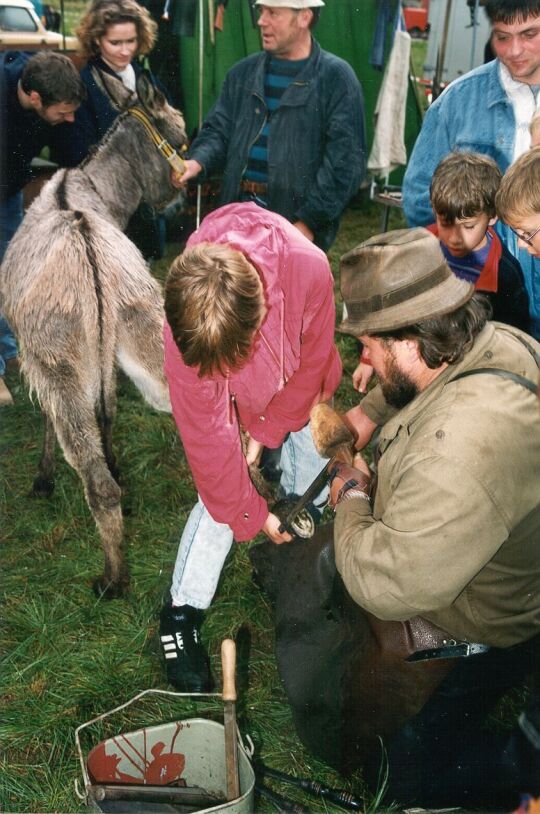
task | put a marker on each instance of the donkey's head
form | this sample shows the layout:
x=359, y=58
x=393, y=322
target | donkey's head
x=150, y=133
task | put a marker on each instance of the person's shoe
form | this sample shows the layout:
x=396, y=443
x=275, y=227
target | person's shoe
x=186, y=660
x=5, y=396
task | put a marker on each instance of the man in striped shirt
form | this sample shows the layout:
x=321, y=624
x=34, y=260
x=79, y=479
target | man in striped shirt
x=287, y=130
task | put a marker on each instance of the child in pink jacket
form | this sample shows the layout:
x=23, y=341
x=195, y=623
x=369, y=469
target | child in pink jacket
x=249, y=343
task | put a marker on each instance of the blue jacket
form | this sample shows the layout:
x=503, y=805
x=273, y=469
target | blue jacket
x=316, y=145
x=23, y=134
x=473, y=114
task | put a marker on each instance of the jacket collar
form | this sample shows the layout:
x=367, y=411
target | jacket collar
x=496, y=93
x=412, y=412
x=301, y=83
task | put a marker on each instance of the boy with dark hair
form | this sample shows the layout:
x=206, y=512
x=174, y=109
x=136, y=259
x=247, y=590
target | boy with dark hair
x=36, y=93
x=487, y=110
x=462, y=195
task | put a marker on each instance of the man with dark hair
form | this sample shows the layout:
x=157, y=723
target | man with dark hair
x=36, y=93
x=288, y=128
x=449, y=540
x=488, y=110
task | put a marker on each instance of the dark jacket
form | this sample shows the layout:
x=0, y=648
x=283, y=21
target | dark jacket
x=316, y=145
x=23, y=132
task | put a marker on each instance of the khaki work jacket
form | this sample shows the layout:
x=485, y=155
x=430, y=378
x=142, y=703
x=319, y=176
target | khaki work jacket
x=454, y=535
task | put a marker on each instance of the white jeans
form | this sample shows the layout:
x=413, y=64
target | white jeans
x=205, y=543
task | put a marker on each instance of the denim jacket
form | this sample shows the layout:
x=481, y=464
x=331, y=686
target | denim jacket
x=317, y=144
x=473, y=114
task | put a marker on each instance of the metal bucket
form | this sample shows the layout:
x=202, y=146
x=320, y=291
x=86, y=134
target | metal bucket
x=189, y=751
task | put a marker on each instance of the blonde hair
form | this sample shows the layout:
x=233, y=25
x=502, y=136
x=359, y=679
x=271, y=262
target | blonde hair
x=101, y=14
x=214, y=302
x=519, y=192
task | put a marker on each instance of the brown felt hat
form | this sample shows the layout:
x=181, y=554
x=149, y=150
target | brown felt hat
x=397, y=279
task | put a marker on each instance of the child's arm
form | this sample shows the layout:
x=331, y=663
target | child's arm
x=363, y=372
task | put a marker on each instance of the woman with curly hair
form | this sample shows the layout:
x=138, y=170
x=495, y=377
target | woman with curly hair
x=114, y=37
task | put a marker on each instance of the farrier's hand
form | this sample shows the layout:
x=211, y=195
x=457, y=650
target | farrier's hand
x=192, y=169
x=254, y=452
x=360, y=425
x=356, y=477
x=271, y=527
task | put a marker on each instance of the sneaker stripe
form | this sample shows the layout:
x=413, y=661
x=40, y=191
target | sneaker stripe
x=167, y=638
x=171, y=655
x=170, y=646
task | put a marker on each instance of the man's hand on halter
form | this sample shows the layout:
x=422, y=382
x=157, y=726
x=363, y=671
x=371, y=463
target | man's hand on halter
x=192, y=169
x=271, y=527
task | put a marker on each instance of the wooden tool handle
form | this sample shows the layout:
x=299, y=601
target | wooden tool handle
x=228, y=666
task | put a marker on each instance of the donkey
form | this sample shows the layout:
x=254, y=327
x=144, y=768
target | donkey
x=81, y=301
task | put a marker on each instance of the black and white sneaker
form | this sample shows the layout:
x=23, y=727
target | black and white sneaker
x=186, y=661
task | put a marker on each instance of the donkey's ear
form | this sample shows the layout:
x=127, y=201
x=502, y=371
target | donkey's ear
x=150, y=97
x=119, y=96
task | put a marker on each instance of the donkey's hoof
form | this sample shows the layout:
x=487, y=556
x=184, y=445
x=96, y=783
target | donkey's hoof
x=42, y=487
x=106, y=589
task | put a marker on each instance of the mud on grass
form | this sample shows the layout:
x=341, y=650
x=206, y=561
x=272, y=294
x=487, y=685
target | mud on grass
x=69, y=656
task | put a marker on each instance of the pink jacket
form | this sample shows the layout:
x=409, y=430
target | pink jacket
x=295, y=364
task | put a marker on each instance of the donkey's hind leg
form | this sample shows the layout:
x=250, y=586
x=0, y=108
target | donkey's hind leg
x=43, y=485
x=140, y=351
x=80, y=438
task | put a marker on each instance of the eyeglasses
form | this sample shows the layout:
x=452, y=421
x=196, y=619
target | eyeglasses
x=528, y=239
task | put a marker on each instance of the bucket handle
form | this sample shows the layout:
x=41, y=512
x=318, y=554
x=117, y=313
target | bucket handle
x=86, y=778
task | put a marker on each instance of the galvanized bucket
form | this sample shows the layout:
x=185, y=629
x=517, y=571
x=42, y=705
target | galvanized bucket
x=190, y=752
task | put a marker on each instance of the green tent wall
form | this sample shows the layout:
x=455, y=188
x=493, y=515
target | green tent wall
x=345, y=28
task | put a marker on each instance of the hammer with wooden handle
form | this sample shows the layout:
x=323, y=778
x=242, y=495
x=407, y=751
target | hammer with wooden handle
x=228, y=665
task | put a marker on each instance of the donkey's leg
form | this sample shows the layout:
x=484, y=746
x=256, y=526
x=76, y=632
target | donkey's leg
x=106, y=415
x=140, y=351
x=43, y=485
x=79, y=436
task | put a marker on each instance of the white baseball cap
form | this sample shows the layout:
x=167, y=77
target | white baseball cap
x=290, y=3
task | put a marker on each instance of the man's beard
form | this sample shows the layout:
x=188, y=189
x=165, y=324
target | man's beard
x=398, y=389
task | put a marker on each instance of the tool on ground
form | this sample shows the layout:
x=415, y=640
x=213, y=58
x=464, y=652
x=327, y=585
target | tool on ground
x=315, y=488
x=338, y=797
x=192, y=796
x=228, y=664
x=281, y=803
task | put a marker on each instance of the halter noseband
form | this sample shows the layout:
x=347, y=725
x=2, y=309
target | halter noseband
x=177, y=163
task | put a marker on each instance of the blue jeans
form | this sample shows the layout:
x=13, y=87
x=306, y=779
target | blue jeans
x=205, y=543
x=11, y=215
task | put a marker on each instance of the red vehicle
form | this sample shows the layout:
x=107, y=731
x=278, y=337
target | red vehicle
x=416, y=14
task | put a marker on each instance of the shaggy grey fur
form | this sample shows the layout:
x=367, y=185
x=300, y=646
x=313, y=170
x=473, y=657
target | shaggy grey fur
x=81, y=301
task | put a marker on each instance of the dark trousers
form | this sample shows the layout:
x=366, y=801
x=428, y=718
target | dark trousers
x=443, y=756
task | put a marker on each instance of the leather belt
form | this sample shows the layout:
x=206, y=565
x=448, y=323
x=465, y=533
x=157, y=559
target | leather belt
x=450, y=650
x=253, y=187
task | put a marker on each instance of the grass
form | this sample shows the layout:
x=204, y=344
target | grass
x=68, y=656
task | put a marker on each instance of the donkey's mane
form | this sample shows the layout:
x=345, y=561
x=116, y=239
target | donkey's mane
x=106, y=138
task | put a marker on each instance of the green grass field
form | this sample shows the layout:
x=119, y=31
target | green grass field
x=68, y=656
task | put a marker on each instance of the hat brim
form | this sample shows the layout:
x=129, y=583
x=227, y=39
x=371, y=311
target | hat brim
x=443, y=299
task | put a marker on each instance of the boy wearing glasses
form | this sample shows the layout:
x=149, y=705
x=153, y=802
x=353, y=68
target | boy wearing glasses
x=462, y=196
x=518, y=202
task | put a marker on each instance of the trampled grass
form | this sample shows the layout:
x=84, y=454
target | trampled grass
x=68, y=656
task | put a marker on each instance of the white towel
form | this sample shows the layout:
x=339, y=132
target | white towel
x=388, y=148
